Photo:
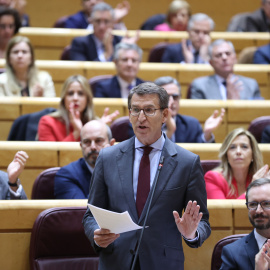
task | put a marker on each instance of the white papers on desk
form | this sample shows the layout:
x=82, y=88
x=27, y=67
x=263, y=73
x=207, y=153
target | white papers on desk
x=115, y=222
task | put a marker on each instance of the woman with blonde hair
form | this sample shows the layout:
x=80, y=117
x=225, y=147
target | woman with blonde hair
x=177, y=17
x=22, y=77
x=241, y=163
x=75, y=109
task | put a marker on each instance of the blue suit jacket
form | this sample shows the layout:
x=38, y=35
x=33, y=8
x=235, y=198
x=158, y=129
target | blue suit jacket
x=84, y=48
x=110, y=88
x=173, y=54
x=262, y=55
x=180, y=180
x=77, y=21
x=240, y=254
x=72, y=181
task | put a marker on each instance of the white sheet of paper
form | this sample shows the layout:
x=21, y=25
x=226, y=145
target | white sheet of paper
x=115, y=222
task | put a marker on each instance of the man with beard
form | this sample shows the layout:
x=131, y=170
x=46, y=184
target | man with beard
x=73, y=180
x=252, y=251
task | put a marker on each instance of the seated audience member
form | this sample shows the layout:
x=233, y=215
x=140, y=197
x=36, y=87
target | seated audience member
x=183, y=128
x=75, y=109
x=73, y=180
x=266, y=135
x=259, y=20
x=22, y=77
x=193, y=50
x=241, y=163
x=224, y=84
x=80, y=20
x=262, y=55
x=177, y=17
x=98, y=46
x=9, y=26
x=10, y=186
x=252, y=251
x=127, y=58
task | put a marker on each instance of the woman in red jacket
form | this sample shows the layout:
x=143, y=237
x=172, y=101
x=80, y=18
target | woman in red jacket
x=76, y=109
x=241, y=163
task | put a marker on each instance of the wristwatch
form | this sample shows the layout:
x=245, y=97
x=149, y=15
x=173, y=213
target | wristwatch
x=17, y=184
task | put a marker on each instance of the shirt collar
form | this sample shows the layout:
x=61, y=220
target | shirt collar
x=260, y=239
x=123, y=84
x=156, y=145
x=98, y=42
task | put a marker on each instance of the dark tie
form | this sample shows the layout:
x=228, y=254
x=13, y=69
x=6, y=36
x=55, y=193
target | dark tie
x=129, y=87
x=196, y=57
x=225, y=85
x=143, y=187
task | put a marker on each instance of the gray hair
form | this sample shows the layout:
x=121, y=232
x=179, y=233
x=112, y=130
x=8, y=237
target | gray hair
x=109, y=133
x=198, y=17
x=149, y=88
x=217, y=43
x=102, y=7
x=167, y=80
x=257, y=183
x=126, y=47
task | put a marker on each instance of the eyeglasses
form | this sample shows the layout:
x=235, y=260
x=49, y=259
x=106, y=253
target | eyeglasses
x=175, y=96
x=254, y=205
x=149, y=111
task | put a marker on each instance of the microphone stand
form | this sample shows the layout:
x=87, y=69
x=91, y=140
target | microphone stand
x=160, y=165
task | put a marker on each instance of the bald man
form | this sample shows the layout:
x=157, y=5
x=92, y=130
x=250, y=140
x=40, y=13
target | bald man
x=73, y=180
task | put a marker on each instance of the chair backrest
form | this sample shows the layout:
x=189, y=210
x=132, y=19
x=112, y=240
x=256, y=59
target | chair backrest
x=257, y=126
x=153, y=21
x=65, y=53
x=43, y=187
x=120, y=129
x=208, y=165
x=61, y=22
x=238, y=22
x=246, y=55
x=94, y=80
x=58, y=241
x=155, y=55
x=216, y=255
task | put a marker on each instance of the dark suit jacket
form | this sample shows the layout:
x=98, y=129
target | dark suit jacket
x=266, y=135
x=257, y=22
x=84, y=48
x=153, y=21
x=262, y=55
x=240, y=254
x=180, y=180
x=5, y=194
x=110, y=88
x=72, y=181
x=77, y=21
x=173, y=54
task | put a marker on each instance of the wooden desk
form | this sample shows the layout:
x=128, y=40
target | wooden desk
x=50, y=42
x=17, y=219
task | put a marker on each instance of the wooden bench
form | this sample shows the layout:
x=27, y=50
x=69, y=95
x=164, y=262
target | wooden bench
x=17, y=219
x=185, y=74
x=50, y=42
x=43, y=155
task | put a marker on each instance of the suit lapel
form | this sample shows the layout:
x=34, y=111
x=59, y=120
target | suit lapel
x=116, y=88
x=124, y=161
x=251, y=248
x=212, y=89
x=165, y=174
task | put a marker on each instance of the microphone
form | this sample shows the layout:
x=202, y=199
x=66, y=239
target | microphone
x=160, y=165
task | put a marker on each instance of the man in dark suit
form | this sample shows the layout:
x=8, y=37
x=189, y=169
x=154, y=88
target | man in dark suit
x=127, y=58
x=193, y=50
x=252, y=251
x=10, y=185
x=98, y=46
x=262, y=55
x=186, y=129
x=73, y=180
x=123, y=178
x=224, y=84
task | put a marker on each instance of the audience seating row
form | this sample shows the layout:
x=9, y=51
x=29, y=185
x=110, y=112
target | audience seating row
x=43, y=155
x=185, y=74
x=238, y=112
x=49, y=43
x=17, y=218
